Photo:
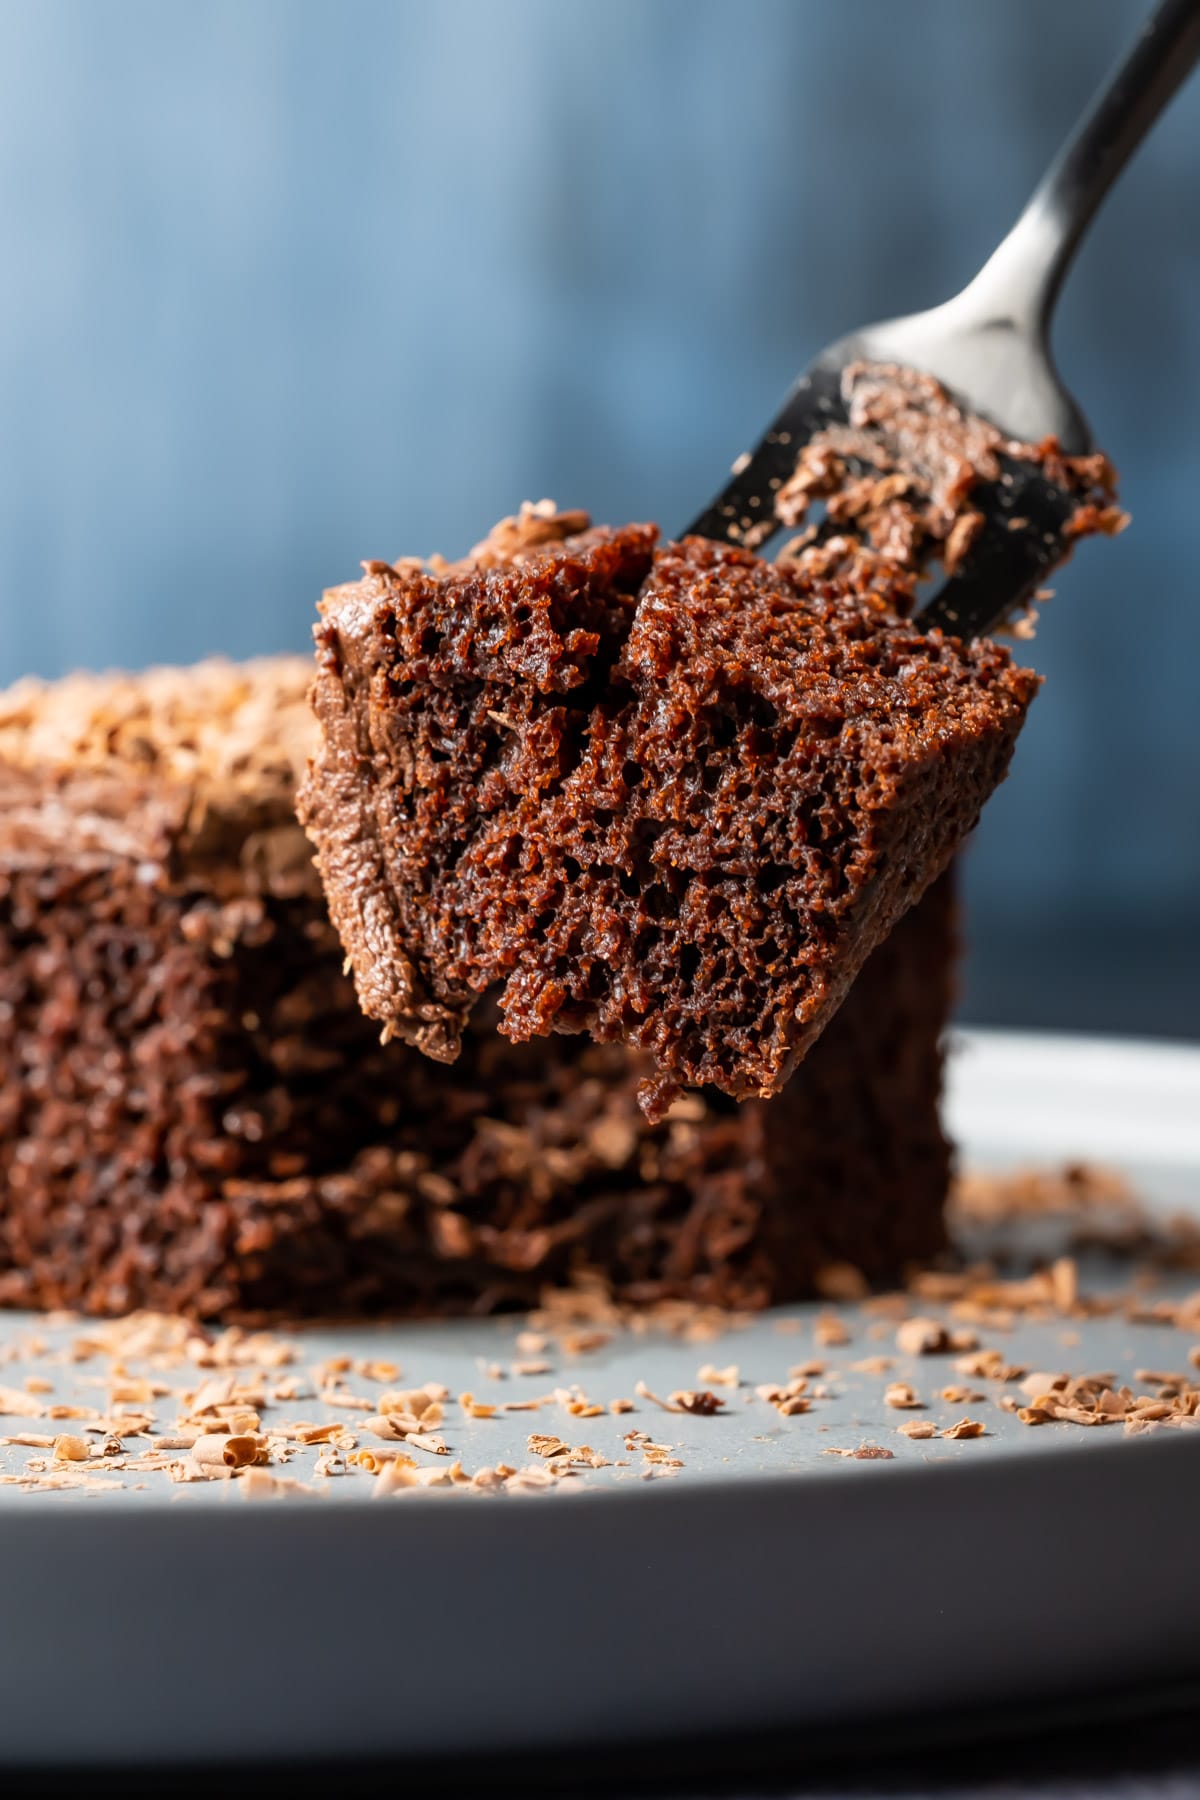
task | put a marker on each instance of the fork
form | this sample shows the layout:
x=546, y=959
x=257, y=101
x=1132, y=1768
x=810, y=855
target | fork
x=989, y=348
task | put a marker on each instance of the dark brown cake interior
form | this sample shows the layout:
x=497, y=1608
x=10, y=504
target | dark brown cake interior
x=670, y=796
x=195, y=1115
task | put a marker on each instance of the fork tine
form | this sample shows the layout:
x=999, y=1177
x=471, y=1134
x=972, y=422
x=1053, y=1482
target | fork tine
x=744, y=511
x=1022, y=540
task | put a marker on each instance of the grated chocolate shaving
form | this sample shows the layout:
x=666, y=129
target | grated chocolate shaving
x=709, y=1376
x=930, y=1337
x=701, y=1402
x=901, y=1395
x=966, y=1428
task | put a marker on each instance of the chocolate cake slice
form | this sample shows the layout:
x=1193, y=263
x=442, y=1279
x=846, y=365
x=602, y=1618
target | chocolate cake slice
x=196, y=1116
x=669, y=795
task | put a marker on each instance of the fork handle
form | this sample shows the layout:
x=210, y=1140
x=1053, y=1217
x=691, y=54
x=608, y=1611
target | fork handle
x=1021, y=280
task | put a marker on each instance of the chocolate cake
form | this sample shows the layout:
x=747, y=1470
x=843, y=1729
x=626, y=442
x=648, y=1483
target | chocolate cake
x=670, y=795
x=195, y=1115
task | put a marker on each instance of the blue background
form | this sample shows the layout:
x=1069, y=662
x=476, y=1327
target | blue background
x=289, y=283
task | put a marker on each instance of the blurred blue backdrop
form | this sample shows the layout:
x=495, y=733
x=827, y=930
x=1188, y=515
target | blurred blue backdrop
x=288, y=283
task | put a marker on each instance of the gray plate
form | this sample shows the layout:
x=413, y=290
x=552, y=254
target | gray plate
x=762, y=1585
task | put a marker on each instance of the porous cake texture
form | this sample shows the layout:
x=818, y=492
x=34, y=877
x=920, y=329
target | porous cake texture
x=670, y=795
x=196, y=1116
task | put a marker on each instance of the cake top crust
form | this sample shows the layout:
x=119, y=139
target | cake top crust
x=220, y=723
x=175, y=767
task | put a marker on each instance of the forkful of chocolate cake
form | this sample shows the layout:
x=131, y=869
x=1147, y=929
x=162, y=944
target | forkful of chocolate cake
x=946, y=437
x=672, y=793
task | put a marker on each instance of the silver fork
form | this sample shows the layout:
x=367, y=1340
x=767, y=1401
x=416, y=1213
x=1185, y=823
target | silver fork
x=989, y=346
